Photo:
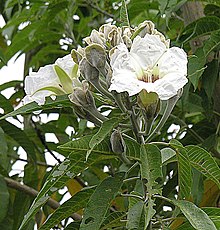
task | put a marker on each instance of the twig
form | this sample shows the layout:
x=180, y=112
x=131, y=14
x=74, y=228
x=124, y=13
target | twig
x=24, y=160
x=99, y=10
x=44, y=143
x=32, y=192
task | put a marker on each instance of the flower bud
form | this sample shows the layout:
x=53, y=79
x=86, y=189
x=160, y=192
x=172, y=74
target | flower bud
x=89, y=72
x=82, y=97
x=96, y=55
x=95, y=37
x=117, y=142
x=77, y=55
x=148, y=102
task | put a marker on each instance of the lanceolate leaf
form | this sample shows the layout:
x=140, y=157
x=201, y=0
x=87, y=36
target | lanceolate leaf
x=196, y=216
x=100, y=201
x=74, y=204
x=150, y=159
x=59, y=177
x=60, y=102
x=151, y=170
x=204, y=162
x=184, y=170
x=82, y=144
x=136, y=216
x=113, y=220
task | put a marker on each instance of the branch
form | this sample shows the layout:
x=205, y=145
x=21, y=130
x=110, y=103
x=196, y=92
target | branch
x=99, y=10
x=32, y=192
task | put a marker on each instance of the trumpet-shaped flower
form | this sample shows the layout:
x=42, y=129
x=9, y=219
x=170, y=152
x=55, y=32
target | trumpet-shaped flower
x=149, y=65
x=50, y=80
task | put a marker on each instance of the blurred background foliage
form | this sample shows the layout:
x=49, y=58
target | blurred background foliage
x=46, y=30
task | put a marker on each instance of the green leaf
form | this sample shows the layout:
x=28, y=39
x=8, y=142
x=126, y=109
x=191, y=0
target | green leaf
x=3, y=150
x=213, y=43
x=60, y=102
x=4, y=198
x=202, y=160
x=151, y=167
x=196, y=67
x=65, y=80
x=104, y=130
x=210, y=77
x=124, y=14
x=213, y=213
x=20, y=137
x=5, y=104
x=150, y=212
x=74, y=204
x=100, y=201
x=184, y=169
x=132, y=147
x=201, y=27
x=196, y=216
x=136, y=216
x=74, y=164
x=113, y=220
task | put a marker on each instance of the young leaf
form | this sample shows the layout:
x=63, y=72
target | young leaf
x=100, y=201
x=201, y=160
x=196, y=216
x=124, y=14
x=74, y=204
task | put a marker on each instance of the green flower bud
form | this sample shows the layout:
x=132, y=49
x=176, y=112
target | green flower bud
x=117, y=142
x=148, y=102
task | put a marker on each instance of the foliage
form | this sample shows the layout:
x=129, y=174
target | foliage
x=114, y=179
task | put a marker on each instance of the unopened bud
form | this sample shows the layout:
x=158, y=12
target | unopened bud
x=76, y=56
x=95, y=37
x=82, y=97
x=149, y=103
x=117, y=142
x=89, y=72
x=96, y=55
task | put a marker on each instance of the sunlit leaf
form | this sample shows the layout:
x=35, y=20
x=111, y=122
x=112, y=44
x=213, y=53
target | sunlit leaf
x=196, y=216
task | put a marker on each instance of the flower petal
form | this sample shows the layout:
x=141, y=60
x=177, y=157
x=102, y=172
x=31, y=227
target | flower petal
x=147, y=50
x=66, y=63
x=173, y=61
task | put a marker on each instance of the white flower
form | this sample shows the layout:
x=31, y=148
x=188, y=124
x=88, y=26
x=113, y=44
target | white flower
x=149, y=65
x=46, y=82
